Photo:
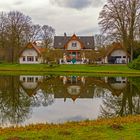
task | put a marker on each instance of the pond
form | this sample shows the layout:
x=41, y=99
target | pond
x=29, y=99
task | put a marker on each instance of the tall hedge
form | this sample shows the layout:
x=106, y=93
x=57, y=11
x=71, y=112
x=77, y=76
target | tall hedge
x=135, y=64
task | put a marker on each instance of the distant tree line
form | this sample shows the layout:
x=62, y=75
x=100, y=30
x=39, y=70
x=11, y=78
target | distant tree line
x=16, y=30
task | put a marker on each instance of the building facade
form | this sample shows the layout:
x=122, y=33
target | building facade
x=74, y=50
x=116, y=54
x=31, y=54
x=74, y=47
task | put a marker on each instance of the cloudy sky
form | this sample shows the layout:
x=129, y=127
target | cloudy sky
x=70, y=16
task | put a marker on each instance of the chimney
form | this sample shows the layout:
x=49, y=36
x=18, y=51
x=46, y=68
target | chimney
x=65, y=35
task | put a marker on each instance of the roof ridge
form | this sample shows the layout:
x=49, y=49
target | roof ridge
x=33, y=45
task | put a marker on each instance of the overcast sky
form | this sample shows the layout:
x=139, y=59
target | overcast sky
x=70, y=16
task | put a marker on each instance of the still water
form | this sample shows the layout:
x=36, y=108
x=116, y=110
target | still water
x=57, y=99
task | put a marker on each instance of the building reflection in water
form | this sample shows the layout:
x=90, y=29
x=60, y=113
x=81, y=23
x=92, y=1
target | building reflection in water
x=73, y=85
x=31, y=85
x=19, y=95
x=124, y=100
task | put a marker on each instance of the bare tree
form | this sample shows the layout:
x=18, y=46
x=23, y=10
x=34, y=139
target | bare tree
x=16, y=24
x=3, y=37
x=33, y=33
x=47, y=35
x=120, y=19
x=99, y=40
x=16, y=30
x=2, y=29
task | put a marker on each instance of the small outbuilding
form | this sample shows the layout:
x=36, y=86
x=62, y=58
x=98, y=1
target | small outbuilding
x=116, y=54
x=31, y=54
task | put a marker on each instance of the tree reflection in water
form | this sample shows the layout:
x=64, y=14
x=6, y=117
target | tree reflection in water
x=42, y=99
x=14, y=106
x=20, y=94
x=16, y=103
x=127, y=103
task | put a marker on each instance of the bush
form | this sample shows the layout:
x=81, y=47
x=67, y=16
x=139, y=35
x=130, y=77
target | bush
x=135, y=64
x=52, y=63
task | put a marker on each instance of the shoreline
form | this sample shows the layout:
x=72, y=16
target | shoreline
x=107, y=129
x=93, y=70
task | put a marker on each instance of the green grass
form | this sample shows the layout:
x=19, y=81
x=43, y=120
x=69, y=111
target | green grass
x=127, y=128
x=67, y=69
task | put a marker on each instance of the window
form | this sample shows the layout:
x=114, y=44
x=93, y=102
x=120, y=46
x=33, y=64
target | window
x=24, y=79
x=74, y=44
x=116, y=57
x=36, y=79
x=124, y=56
x=23, y=58
x=73, y=53
x=87, y=43
x=59, y=43
x=36, y=58
x=30, y=79
x=30, y=58
x=74, y=90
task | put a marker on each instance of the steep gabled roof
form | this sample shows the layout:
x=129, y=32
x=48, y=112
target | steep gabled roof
x=30, y=92
x=31, y=45
x=60, y=41
x=113, y=47
x=73, y=38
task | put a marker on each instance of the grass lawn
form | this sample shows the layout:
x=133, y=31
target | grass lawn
x=127, y=128
x=90, y=69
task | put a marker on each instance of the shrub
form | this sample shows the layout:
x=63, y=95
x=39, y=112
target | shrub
x=52, y=64
x=135, y=64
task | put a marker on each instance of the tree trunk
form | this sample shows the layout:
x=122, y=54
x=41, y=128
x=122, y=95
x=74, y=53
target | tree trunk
x=131, y=54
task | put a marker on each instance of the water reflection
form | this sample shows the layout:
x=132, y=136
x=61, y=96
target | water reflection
x=126, y=102
x=14, y=106
x=29, y=99
x=31, y=85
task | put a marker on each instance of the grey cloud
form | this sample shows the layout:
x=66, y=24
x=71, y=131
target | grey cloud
x=18, y=3
x=36, y=9
x=89, y=31
x=77, y=4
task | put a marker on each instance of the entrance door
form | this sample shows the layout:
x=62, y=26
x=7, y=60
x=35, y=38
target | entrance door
x=74, y=54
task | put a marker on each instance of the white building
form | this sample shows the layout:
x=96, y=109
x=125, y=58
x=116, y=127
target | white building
x=31, y=54
x=116, y=54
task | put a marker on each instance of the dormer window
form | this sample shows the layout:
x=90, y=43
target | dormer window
x=74, y=44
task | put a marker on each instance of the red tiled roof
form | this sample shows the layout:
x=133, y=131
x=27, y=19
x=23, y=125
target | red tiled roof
x=74, y=37
x=114, y=46
x=33, y=45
